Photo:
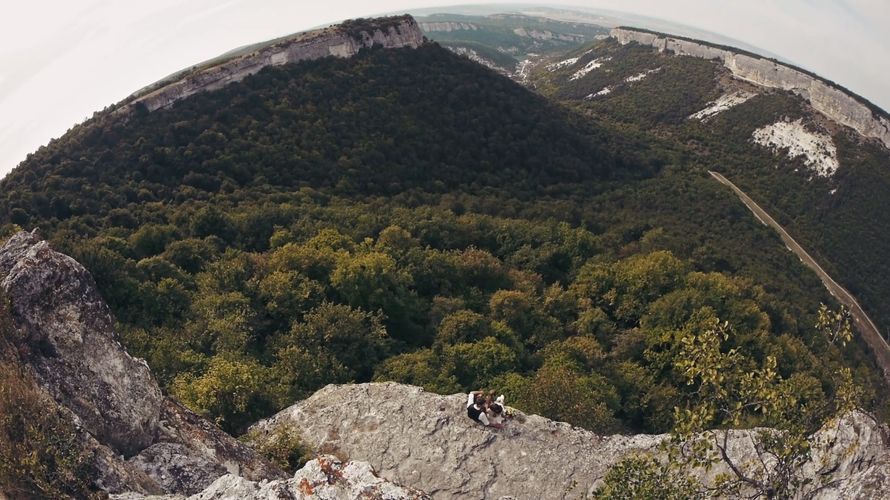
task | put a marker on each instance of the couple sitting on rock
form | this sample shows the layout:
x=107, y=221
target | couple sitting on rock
x=486, y=410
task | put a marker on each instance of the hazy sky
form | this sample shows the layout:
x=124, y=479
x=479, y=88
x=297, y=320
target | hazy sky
x=60, y=60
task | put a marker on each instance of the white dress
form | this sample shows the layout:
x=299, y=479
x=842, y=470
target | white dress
x=494, y=417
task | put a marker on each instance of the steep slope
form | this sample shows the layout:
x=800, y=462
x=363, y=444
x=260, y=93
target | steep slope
x=828, y=98
x=865, y=325
x=807, y=150
x=428, y=117
x=57, y=325
x=135, y=440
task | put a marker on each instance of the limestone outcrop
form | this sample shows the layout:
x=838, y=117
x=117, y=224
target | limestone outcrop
x=67, y=338
x=830, y=100
x=447, y=26
x=324, y=478
x=425, y=441
x=343, y=40
x=63, y=334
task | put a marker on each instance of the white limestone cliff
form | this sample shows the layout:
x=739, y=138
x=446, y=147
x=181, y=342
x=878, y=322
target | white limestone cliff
x=816, y=149
x=343, y=40
x=825, y=98
x=474, y=56
x=448, y=26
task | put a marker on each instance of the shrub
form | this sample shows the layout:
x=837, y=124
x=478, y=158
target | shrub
x=283, y=447
x=639, y=477
x=41, y=455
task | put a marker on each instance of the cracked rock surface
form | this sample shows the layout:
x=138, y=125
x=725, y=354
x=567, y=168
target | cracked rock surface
x=68, y=339
x=426, y=441
x=324, y=478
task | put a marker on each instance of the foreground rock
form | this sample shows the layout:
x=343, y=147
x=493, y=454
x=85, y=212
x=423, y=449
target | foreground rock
x=323, y=478
x=64, y=335
x=425, y=441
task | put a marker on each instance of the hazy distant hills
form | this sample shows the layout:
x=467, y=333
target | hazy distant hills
x=504, y=41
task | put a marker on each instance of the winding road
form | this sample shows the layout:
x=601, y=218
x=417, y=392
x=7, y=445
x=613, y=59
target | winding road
x=870, y=333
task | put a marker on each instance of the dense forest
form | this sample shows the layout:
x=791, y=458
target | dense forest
x=839, y=219
x=409, y=215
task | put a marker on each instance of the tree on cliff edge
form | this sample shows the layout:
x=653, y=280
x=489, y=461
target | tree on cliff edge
x=731, y=395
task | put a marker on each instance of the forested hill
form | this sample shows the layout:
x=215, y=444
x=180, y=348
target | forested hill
x=410, y=215
x=383, y=123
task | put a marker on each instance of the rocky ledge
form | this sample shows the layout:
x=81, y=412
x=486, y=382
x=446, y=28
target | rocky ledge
x=341, y=40
x=324, y=478
x=426, y=441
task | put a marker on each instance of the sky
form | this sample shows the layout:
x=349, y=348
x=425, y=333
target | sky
x=61, y=60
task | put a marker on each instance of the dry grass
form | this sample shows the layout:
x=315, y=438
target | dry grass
x=283, y=447
x=41, y=453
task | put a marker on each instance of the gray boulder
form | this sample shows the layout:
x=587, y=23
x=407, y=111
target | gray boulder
x=63, y=334
x=324, y=478
x=426, y=441
x=68, y=339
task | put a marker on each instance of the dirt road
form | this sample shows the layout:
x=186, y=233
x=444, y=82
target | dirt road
x=870, y=333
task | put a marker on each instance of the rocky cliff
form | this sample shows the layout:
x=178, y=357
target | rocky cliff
x=448, y=26
x=324, y=478
x=343, y=40
x=63, y=335
x=426, y=441
x=825, y=97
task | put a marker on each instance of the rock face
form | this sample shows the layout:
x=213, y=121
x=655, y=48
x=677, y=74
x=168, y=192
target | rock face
x=426, y=441
x=344, y=40
x=68, y=341
x=448, y=26
x=851, y=458
x=64, y=335
x=827, y=99
x=474, y=56
x=324, y=478
x=545, y=35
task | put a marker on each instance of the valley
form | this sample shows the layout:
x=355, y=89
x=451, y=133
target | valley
x=507, y=42
x=295, y=239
